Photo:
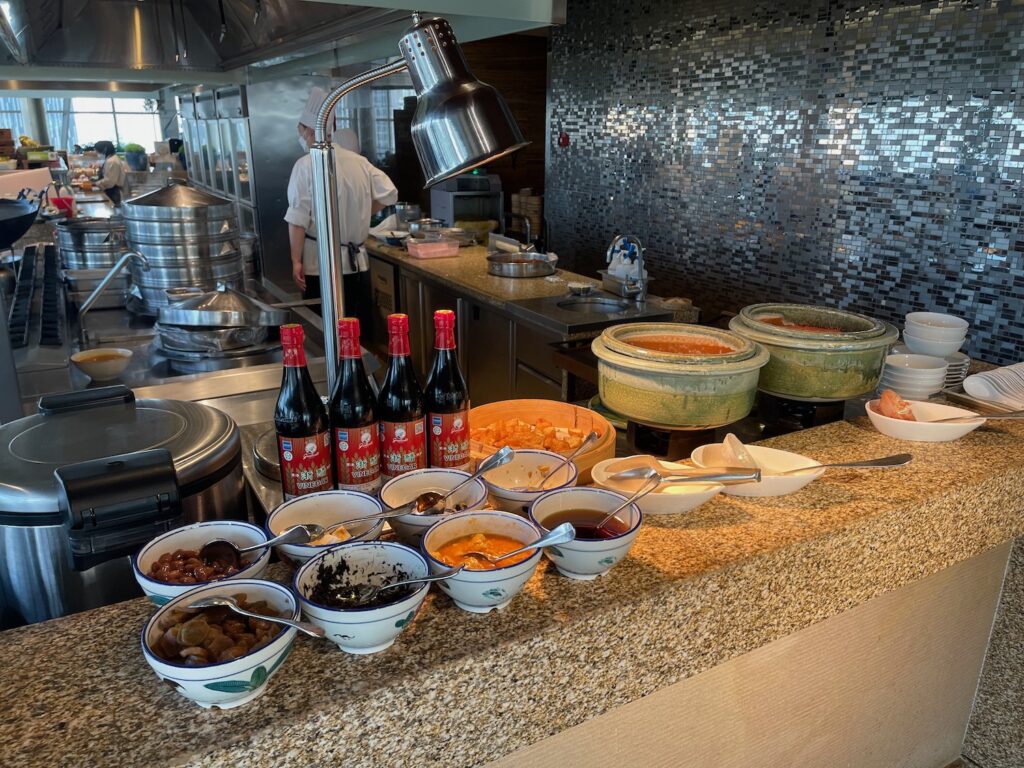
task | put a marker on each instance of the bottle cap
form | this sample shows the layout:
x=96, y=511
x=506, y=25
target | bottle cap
x=444, y=320
x=348, y=328
x=292, y=335
x=398, y=323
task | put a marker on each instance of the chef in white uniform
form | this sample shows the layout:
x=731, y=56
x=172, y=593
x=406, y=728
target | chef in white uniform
x=362, y=191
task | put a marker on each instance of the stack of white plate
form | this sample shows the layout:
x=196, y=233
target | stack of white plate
x=957, y=365
x=914, y=377
x=933, y=333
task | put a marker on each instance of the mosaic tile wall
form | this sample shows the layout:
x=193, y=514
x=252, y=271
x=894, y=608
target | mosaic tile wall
x=866, y=155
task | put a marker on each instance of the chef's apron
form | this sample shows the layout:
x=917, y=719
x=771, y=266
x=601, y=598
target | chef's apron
x=113, y=193
x=355, y=287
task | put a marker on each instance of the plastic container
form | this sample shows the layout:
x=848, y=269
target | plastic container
x=432, y=249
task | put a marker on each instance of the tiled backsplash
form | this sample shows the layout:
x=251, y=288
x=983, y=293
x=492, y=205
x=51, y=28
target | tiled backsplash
x=866, y=155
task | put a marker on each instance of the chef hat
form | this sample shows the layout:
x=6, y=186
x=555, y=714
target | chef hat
x=346, y=138
x=312, y=108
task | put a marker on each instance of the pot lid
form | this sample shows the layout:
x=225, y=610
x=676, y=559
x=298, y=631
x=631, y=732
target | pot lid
x=175, y=203
x=707, y=345
x=845, y=331
x=224, y=307
x=201, y=440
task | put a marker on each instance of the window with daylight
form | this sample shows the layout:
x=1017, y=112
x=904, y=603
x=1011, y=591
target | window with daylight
x=385, y=102
x=88, y=120
x=11, y=116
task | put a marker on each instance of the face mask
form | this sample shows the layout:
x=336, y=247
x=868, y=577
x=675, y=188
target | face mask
x=303, y=145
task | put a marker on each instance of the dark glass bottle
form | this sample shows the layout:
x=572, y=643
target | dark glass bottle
x=400, y=407
x=354, y=416
x=303, y=428
x=446, y=400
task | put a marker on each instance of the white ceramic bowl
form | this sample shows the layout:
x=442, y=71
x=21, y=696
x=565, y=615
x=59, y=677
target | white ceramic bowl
x=916, y=365
x=936, y=326
x=230, y=683
x=404, y=488
x=364, y=630
x=194, y=537
x=102, y=370
x=586, y=559
x=932, y=385
x=668, y=500
x=324, y=508
x=910, y=391
x=930, y=347
x=914, y=377
x=921, y=430
x=770, y=460
x=526, y=468
x=482, y=591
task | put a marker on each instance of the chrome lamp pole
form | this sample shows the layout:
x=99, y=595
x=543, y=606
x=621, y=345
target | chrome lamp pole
x=459, y=124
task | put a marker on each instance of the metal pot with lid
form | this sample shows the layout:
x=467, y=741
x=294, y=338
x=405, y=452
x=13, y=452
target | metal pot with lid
x=93, y=476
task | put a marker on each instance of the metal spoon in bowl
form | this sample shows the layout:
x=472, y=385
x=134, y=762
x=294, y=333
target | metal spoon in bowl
x=224, y=551
x=651, y=481
x=886, y=462
x=1013, y=415
x=217, y=601
x=366, y=592
x=560, y=534
x=428, y=500
x=723, y=475
x=539, y=485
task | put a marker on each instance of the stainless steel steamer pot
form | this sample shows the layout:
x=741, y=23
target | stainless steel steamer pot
x=40, y=577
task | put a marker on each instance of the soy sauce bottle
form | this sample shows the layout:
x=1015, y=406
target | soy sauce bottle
x=353, y=412
x=303, y=428
x=446, y=400
x=400, y=406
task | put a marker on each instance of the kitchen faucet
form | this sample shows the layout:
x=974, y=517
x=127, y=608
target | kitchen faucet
x=526, y=225
x=635, y=287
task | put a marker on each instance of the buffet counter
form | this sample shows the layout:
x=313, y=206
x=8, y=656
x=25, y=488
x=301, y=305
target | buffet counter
x=734, y=580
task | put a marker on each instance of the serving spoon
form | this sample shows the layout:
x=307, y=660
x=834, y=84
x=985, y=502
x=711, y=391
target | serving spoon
x=366, y=592
x=539, y=485
x=651, y=481
x=560, y=534
x=886, y=462
x=225, y=551
x=219, y=601
x=1014, y=415
x=723, y=475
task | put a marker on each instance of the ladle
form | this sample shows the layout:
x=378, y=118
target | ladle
x=560, y=534
x=222, y=550
x=217, y=601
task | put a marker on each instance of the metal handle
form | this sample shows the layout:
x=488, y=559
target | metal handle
x=117, y=394
x=109, y=278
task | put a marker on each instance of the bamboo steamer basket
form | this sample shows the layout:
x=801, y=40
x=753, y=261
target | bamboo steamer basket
x=560, y=415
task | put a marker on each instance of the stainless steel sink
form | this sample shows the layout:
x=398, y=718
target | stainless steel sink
x=594, y=305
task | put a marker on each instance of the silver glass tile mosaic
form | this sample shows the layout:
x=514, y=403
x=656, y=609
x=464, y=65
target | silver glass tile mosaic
x=866, y=155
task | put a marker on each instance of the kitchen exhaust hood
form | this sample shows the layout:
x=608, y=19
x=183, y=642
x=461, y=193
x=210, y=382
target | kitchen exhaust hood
x=97, y=44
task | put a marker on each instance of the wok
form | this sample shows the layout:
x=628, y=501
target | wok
x=16, y=216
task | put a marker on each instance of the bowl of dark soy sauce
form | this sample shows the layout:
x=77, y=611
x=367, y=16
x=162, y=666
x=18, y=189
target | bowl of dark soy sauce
x=598, y=545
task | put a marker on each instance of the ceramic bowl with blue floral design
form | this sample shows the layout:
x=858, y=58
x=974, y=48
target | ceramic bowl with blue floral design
x=481, y=591
x=587, y=558
x=193, y=537
x=375, y=627
x=227, y=684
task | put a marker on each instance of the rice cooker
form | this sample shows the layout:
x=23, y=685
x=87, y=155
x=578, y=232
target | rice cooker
x=93, y=476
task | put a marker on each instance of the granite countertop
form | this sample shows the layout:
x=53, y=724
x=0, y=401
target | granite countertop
x=460, y=689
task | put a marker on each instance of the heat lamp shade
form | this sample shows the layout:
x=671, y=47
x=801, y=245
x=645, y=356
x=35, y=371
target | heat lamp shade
x=460, y=126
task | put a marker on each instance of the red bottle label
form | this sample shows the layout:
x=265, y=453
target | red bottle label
x=449, y=439
x=403, y=447
x=357, y=453
x=305, y=464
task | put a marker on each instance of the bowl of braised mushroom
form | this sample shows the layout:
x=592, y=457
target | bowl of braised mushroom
x=170, y=564
x=215, y=656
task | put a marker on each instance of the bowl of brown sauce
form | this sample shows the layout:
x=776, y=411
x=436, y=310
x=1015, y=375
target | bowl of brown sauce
x=598, y=546
x=102, y=364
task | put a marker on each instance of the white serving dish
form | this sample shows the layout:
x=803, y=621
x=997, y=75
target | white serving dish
x=364, y=630
x=770, y=460
x=930, y=347
x=325, y=508
x=404, y=488
x=667, y=500
x=916, y=365
x=102, y=370
x=586, y=559
x=230, y=683
x=936, y=326
x=921, y=430
x=526, y=468
x=479, y=591
x=194, y=536
x=921, y=378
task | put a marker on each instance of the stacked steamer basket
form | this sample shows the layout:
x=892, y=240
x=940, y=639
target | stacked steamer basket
x=189, y=239
x=939, y=335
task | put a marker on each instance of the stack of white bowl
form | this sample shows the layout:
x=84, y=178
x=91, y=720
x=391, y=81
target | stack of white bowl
x=957, y=365
x=933, y=333
x=914, y=377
